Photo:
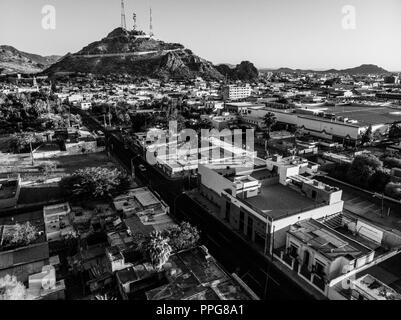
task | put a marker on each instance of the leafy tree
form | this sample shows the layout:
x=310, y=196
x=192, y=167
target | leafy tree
x=22, y=235
x=29, y=112
x=362, y=168
x=379, y=180
x=158, y=249
x=182, y=237
x=367, y=136
x=94, y=182
x=12, y=289
x=395, y=131
x=24, y=141
x=47, y=168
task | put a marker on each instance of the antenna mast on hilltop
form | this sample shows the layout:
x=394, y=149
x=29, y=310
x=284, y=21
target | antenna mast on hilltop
x=134, y=18
x=123, y=21
x=151, y=24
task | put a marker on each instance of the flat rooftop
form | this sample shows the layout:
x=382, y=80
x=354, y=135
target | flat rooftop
x=244, y=104
x=140, y=200
x=375, y=288
x=364, y=115
x=387, y=271
x=192, y=274
x=369, y=115
x=328, y=242
x=278, y=201
x=62, y=208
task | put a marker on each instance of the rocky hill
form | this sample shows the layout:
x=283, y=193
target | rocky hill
x=135, y=53
x=15, y=61
x=245, y=71
x=365, y=69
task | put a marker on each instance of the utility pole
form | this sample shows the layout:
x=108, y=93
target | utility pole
x=30, y=146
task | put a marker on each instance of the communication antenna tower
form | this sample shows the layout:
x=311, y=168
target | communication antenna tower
x=123, y=21
x=151, y=23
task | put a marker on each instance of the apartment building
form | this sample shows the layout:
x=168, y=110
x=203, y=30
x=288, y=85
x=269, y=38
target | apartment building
x=236, y=92
x=263, y=202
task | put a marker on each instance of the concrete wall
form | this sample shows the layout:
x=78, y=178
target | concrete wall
x=329, y=127
x=316, y=213
x=12, y=202
x=212, y=180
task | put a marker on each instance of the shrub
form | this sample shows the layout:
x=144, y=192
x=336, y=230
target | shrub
x=362, y=168
x=22, y=235
x=11, y=289
x=94, y=182
x=379, y=180
x=183, y=236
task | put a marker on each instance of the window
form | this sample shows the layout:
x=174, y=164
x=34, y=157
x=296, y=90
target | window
x=241, y=221
x=319, y=268
x=314, y=194
x=228, y=208
x=260, y=240
x=293, y=250
x=250, y=227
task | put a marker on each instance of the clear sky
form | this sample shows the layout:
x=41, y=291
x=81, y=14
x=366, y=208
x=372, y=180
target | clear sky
x=270, y=33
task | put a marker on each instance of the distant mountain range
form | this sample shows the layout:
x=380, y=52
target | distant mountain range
x=135, y=53
x=15, y=61
x=363, y=69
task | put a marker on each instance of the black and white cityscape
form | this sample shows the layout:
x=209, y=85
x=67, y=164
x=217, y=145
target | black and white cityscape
x=197, y=150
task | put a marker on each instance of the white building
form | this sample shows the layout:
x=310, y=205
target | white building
x=264, y=201
x=58, y=222
x=236, y=92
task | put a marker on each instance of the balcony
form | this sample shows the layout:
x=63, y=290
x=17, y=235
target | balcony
x=289, y=260
x=319, y=281
x=304, y=271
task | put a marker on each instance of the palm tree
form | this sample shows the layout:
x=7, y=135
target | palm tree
x=158, y=249
x=104, y=297
x=269, y=120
